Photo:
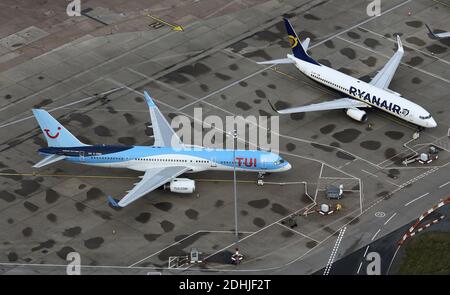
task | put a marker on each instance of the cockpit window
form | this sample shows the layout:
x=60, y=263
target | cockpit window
x=425, y=117
x=280, y=161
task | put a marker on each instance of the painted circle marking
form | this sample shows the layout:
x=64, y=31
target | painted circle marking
x=380, y=214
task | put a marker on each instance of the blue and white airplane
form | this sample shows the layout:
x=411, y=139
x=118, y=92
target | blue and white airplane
x=162, y=163
x=357, y=94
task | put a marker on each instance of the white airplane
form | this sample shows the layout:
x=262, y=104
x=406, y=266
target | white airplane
x=437, y=35
x=162, y=163
x=358, y=94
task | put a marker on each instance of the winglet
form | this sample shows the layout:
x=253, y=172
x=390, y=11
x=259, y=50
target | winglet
x=400, y=45
x=149, y=99
x=430, y=33
x=113, y=202
x=305, y=43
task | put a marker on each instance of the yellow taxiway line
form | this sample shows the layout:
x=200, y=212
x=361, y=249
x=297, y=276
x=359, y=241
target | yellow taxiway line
x=136, y=177
x=174, y=27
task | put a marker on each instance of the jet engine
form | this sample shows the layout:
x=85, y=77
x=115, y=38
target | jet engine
x=357, y=114
x=181, y=186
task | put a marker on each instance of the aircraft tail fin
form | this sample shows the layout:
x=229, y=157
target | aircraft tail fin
x=55, y=133
x=298, y=48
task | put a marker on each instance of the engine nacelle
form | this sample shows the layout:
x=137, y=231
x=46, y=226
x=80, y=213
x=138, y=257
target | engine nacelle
x=181, y=186
x=357, y=114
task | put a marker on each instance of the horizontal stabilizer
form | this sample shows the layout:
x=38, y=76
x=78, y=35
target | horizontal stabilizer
x=49, y=160
x=305, y=43
x=277, y=61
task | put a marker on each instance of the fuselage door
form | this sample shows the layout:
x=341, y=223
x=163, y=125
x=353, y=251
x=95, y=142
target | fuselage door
x=263, y=164
x=213, y=162
x=81, y=156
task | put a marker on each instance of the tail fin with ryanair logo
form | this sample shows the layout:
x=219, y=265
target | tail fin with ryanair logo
x=298, y=48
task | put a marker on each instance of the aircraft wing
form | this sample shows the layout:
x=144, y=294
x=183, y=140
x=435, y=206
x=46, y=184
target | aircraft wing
x=341, y=103
x=162, y=131
x=385, y=75
x=151, y=180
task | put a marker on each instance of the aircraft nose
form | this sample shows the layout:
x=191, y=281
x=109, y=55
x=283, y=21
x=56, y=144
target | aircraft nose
x=432, y=123
x=287, y=167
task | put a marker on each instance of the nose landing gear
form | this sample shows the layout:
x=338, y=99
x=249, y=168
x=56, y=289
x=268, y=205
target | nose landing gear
x=260, y=180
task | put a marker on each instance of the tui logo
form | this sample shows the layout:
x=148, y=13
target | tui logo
x=47, y=131
x=246, y=161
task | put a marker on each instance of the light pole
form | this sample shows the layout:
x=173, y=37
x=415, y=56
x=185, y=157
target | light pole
x=234, y=187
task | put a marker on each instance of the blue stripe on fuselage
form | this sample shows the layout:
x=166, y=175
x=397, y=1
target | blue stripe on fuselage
x=90, y=150
x=248, y=159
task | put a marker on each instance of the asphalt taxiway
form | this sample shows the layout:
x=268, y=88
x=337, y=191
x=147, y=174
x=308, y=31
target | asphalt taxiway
x=94, y=85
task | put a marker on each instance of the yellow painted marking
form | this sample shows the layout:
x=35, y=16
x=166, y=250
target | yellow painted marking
x=129, y=177
x=174, y=27
x=283, y=73
x=293, y=40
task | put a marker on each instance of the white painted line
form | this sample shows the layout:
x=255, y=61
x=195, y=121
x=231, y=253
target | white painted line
x=369, y=173
x=442, y=185
x=390, y=218
x=223, y=88
x=178, y=242
x=378, y=231
x=359, y=268
x=65, y=105
x=147, y=257
x=360, y=196
x=426, y=194
x=352, y=178
x=334, y=251
x=392, y=260
x=365, y=252
x=297, y=232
